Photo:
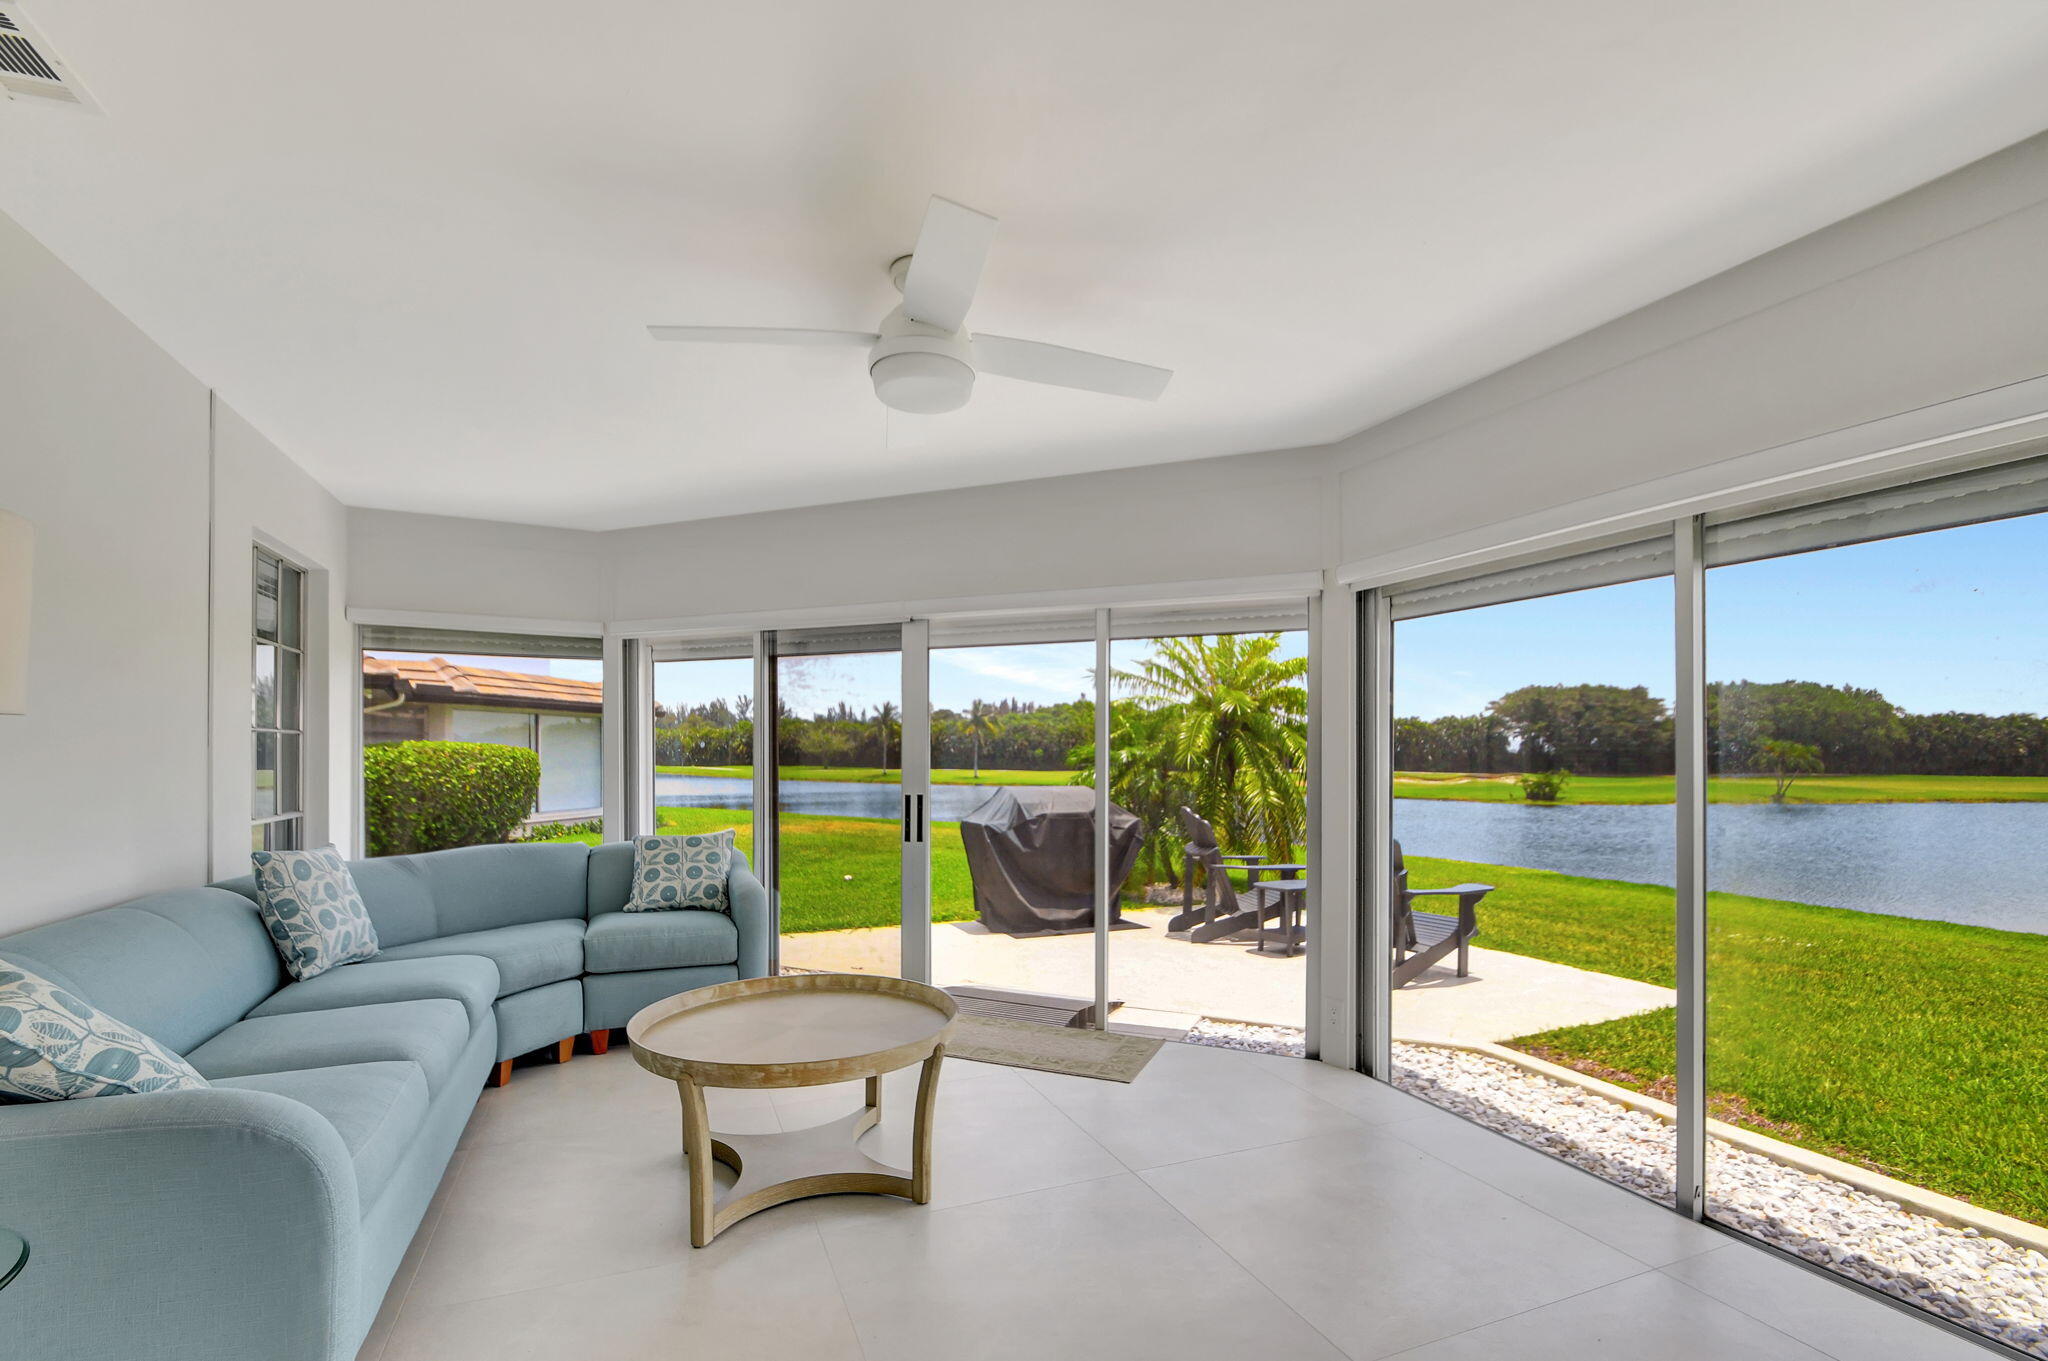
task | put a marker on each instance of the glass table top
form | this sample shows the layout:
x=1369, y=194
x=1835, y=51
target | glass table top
x=13, y=1256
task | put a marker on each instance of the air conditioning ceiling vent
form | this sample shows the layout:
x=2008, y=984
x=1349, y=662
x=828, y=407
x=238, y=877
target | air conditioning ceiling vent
x=30, y=67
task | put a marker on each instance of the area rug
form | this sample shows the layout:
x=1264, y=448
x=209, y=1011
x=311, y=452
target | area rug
x=1105, y=1054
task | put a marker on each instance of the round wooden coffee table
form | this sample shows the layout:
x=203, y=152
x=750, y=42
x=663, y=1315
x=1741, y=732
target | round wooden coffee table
x=799, y=1030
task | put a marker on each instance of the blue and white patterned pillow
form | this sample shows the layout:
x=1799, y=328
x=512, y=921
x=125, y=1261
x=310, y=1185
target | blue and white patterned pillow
x=681, y=871
x=309, y=903
x=54, y=1047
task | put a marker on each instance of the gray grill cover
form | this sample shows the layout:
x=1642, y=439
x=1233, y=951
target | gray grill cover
x=1032, y=853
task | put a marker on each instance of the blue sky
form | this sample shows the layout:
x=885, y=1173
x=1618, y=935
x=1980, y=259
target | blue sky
x=1956, y=619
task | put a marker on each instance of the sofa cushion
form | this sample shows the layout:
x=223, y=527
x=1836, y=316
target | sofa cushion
x=527, y=955
x=57, y=1047
x=430, y=1032
x=377, y=1108
x=180, y=966
x=618, y=942
x=687, y=871
x=477, y=888
x=310, y=905
x=469, y=979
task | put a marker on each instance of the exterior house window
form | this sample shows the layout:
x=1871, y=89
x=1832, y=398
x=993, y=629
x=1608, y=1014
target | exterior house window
x=278, y=806
x=434, y=687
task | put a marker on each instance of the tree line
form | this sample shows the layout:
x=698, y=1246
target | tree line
x=1616, y=730
x=1008, y=734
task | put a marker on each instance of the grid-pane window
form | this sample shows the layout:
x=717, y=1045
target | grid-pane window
x=278, y=711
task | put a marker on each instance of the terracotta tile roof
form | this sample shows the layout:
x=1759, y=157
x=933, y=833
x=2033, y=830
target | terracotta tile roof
x=439, y=681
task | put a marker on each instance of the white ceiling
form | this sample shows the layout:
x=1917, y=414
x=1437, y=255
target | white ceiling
x=416, y=244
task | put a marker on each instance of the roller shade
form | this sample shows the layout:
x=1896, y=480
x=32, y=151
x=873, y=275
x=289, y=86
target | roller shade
x=1637, y=560
x=1019, y=630
x=1228, y=616
x=826, y=642
x=733, y=647
x=2018, y=488
x=387, y=638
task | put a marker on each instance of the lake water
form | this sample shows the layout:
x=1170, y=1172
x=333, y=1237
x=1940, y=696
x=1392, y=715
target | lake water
x=1980, y=863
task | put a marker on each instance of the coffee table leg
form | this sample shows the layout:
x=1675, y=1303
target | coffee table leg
x=874, y=1093
x=697, y=1145
x=921, y=1143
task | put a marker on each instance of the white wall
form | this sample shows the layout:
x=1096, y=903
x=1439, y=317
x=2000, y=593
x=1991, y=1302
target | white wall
x=440, y=565
x=1928, y=298
x=1259, y=515
x=106, y=449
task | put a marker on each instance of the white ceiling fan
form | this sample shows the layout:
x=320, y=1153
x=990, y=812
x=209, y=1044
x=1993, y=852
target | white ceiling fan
x=922, y=360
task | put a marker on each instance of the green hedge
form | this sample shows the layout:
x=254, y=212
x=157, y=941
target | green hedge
x=427, y=796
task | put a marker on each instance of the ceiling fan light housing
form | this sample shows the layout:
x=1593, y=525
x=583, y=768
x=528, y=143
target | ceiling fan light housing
x=920, y=383
x=921, y=369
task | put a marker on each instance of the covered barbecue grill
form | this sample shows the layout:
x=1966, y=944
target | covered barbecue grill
x=1032, y=854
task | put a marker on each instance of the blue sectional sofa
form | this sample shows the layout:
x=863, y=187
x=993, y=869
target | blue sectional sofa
x=263, y=1219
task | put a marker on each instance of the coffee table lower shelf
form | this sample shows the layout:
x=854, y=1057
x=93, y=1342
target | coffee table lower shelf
x=824, y=1160
x=774, y=1169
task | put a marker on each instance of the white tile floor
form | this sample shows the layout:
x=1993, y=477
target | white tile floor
x=1223, y=1206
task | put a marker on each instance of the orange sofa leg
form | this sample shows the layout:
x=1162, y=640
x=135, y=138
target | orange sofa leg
x=565, y=1048
x=600, y=1041
x=501, y=1074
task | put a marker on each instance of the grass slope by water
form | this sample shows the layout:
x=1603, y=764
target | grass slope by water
x=1413, y=784
x=875, y=775
x=1913, y=1047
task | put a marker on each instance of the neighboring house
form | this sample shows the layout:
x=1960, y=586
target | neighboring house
x=405, y=701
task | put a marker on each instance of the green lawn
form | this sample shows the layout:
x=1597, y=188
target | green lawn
x=874, y=775
x=819, y=853
x=1912, y=1047
x=1737, y=789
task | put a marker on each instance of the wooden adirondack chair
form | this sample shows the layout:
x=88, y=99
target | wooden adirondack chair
x=1223, y=911
x=1423, y=938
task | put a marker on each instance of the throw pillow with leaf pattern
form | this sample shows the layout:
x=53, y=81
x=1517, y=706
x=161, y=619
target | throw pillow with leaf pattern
x=671, y=872
x=309, y=904
x=55, y=1046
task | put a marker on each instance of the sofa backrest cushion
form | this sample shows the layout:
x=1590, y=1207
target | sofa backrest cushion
x=179, y=966
x=611, y=875
x=395, y=895
x=476, y=888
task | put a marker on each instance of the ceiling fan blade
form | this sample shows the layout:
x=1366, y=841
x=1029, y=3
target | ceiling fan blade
x=1036, y=362
x=761, y=335
x=945, y=265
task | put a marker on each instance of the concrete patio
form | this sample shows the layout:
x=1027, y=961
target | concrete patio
x=1171, y=983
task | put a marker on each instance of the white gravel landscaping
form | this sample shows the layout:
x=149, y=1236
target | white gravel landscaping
x=1258, y=1039
x=1984, y=1283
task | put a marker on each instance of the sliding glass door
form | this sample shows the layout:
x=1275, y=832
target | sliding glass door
x=1713, y=865
x=1530, y=894
x=1012, y=848
x=1208, y=770
x=840, y=819
x=1877, y=945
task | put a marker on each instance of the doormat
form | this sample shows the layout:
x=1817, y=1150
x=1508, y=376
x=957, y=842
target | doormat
x=1106, y=1054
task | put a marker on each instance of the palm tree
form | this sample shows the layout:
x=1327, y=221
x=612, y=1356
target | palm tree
x=1144, y=781
x=980, y=722
x=1233, y=731
x=885, y=721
